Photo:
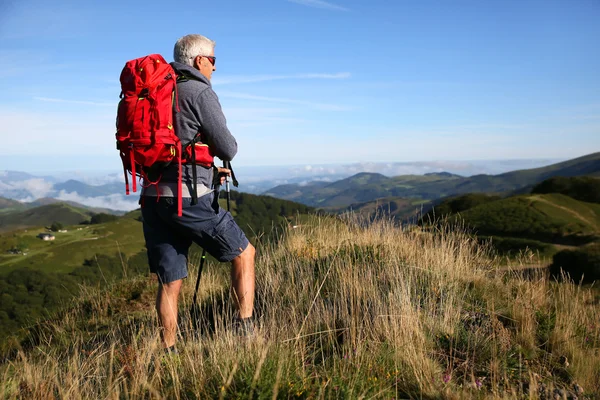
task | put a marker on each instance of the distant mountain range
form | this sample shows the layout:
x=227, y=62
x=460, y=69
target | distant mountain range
x=365, y=187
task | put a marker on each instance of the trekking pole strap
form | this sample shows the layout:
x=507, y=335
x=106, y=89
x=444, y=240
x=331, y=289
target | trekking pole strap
x=233, y=178
x=227, y=164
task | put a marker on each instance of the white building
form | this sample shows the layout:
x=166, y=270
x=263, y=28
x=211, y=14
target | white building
x=46, y=236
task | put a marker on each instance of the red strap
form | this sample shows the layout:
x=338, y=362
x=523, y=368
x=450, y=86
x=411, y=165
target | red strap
x=133, y=174
x=176, y=95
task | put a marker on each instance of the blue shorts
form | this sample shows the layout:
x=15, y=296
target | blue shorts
x=169, y=237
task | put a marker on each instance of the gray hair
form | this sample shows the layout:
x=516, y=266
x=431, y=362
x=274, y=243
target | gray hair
x=189, y=46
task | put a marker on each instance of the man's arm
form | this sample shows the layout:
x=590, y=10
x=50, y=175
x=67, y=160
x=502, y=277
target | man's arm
x=214, y=126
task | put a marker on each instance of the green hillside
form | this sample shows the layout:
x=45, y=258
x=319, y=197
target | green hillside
x=70, y=249
x=553, y=218
x=367, y=186
x=397, y=208
x=343, y=312
x=37, y=276
x=9, y=205
x=453, y=205
x=584, y=188
x=257, y=215
x=43, y=216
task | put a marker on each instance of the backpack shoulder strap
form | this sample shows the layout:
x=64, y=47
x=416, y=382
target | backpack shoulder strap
x=184, y=77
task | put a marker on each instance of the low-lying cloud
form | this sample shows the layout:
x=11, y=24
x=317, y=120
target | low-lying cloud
x=114, y=201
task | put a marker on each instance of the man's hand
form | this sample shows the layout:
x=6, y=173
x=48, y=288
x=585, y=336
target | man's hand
x=222, y=173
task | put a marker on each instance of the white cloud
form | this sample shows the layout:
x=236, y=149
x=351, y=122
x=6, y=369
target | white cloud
x=319, y=4
x=264, y=78
x=113, y=201
x=35, y=188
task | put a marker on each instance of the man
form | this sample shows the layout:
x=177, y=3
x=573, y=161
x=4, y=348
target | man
x=168, y=236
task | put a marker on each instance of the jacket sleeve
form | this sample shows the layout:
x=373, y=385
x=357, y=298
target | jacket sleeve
x=214, y=126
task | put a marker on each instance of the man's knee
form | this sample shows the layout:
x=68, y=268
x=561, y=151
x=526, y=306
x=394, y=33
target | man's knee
x=171, y=287
x=248, y=253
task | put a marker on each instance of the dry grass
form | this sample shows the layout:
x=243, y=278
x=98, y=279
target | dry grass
x=345, y=311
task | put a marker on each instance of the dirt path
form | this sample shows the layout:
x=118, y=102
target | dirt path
x=572, y=212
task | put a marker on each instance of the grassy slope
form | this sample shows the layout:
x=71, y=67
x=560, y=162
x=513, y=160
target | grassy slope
x=70, y=249
x=549, y=217
x=9, y=205
x=44, y=215
x=375, y=312
x=398, y=208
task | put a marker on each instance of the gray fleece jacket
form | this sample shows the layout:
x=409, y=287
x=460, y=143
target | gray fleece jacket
x=199, y=111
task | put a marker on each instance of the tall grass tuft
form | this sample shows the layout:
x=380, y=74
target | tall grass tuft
x=344, y=310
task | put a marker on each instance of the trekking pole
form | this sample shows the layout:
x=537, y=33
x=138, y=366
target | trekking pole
x=203, y=258
x=198, y=280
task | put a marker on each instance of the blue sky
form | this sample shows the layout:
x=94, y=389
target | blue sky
x=314, y=82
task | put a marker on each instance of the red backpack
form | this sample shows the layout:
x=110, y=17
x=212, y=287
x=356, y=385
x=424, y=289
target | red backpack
x=146, y=139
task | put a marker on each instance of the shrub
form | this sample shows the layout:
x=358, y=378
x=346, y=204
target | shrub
x=510, y=245
x=581, y=264
x=457, y=204
x=583, y=188
x=56, y=226
x=101, y=218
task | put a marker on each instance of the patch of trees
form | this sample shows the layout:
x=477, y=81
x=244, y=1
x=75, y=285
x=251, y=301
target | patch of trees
x=508, y=246
x=581, y=264
x=28, y=295
x=101, y=218
x=456, y=205
x=56, y=226
x=262, y=215
x=583, y=188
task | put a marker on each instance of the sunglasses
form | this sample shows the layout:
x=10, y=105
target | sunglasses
x=212, y=59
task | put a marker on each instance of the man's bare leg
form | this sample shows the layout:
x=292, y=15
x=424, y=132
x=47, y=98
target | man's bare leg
x=242, y=281
x=166, y=306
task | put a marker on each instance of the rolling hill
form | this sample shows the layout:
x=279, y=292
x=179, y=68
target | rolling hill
x=551, y=218
x=38, y=276
x=257, y=215
x=397, y=208
x=43, y=216
x=364, y=187
x=11, y=206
